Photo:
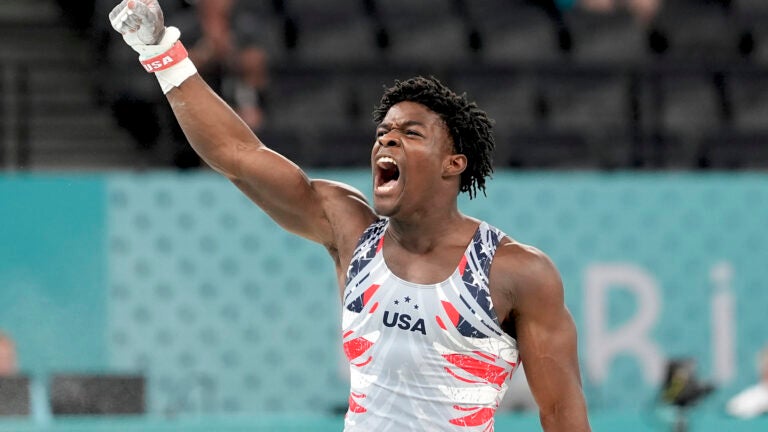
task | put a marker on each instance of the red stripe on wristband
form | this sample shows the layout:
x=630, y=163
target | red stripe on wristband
x=167, y=59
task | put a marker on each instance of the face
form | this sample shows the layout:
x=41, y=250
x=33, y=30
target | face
x=7, y=357
x=412, y=148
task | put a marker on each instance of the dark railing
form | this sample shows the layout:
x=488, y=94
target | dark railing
x=14, y=116
x=644, y=125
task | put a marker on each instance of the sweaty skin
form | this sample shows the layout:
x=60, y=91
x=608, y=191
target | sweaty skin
x=427, y=233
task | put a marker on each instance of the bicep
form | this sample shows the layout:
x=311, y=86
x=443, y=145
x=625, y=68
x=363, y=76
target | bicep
x=283, y=191
x=548, y=348
x=547, y=341
x=319, y=210
x=277, y=185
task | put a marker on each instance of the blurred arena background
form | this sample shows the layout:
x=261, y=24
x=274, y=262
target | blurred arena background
x=142, y=292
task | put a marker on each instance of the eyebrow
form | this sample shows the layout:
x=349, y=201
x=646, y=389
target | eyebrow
x=406, y=123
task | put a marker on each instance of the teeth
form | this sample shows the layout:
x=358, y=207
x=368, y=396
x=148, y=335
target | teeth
x=386, y=159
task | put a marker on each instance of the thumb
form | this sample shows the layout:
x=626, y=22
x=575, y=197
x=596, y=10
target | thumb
x=150, y=17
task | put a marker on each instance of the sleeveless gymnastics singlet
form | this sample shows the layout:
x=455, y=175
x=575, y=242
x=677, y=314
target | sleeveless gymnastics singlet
x=424, y=357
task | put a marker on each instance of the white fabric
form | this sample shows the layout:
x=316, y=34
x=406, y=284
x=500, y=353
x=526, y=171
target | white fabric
x=751, y=402
x=424, y=357
x=141, y=22
x=142, y=27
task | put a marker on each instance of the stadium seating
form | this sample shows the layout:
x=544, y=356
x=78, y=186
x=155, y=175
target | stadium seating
x=636, y=93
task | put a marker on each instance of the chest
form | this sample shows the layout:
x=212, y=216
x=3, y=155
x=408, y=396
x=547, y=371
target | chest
x=431, y=267
x=440, y=265
x=402, y=326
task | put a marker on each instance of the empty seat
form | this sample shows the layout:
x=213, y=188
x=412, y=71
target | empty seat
x=287, y=142
x=701, y=31
x=333, y=32
x=613, y=149
x=751, y=7
x=607, y=37
x=265, y=31
x=587, y=101
x=368, y=86
x=97, y=394
x=509, y=97
x=667, y=151
x=680, y=102
x=428, y=31
x=749, y=100
x=548, y=149
x=308, y=99
x=14, y=395
x=348, y=147
x=736, y=150
x=754, y=41
x=513, y=31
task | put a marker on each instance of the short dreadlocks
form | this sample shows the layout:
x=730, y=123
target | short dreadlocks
x=468, y=125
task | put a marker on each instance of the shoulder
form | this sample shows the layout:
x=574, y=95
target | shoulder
x=347, y=210
x=335, y=189
x=525, y=274
x=344, y=202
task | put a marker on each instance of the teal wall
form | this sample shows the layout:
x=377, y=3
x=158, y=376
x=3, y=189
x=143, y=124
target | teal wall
x=53, y=269
x=693, y=241
x=180, y=277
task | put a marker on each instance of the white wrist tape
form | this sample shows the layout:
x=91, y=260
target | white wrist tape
x=168, y=60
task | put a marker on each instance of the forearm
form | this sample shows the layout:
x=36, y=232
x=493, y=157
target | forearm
x=570, y=416
x=229, y=146
x=213, y=129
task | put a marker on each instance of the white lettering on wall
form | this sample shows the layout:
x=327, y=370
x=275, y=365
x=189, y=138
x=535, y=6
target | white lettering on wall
x=722, y=322
x=632, y=337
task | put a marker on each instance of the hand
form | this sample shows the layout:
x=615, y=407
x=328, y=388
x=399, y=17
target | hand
x=142, y=25
x=140, y=22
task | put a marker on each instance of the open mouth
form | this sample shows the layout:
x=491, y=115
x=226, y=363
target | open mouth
x=388, y=174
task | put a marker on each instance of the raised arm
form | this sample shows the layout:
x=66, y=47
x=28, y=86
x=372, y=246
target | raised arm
x=225, y=143
x=310, y=208
x=546, y=335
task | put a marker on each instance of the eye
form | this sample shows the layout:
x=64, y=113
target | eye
x=411, y=132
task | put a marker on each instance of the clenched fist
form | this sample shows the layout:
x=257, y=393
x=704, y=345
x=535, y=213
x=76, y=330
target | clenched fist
x=139, y=21
x=142, y=25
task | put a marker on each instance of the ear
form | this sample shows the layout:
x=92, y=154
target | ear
x=454, y=165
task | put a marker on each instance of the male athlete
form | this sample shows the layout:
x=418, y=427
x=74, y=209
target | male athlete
x=438, y=308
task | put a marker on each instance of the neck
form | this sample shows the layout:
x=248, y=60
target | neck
x=424, y=231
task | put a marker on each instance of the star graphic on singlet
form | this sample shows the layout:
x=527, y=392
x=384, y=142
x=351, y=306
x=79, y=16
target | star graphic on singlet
x=476, y=279
x=407, y=299
x=397, y=302
x=485, y=249
x=416, y=307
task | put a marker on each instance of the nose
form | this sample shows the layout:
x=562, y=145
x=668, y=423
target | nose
x=387, y=141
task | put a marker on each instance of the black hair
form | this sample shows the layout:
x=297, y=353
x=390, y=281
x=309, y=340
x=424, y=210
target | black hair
x=469, y=126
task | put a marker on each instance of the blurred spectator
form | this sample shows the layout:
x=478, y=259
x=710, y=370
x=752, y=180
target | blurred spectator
x=236, y=70
x=136, y=104
x=8, y=361
x=231, y=57
x=752, y=401
x=245, y=87
x=214, y=49
x=644, y=10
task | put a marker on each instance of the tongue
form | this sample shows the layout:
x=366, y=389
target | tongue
x=388, y=184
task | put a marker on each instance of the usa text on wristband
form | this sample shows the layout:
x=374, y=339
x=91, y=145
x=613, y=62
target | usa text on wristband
x=167, y=59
